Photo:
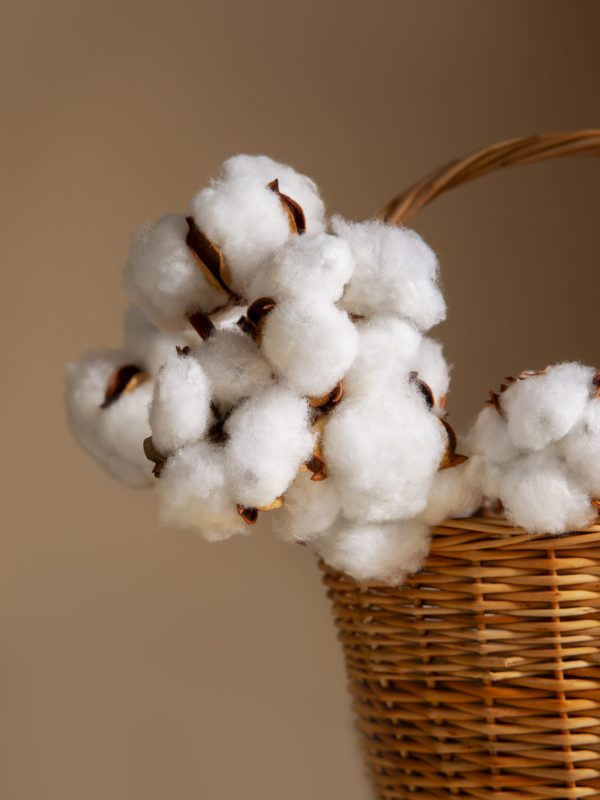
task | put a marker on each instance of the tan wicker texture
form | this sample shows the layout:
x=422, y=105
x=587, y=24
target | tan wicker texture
x=480, y=677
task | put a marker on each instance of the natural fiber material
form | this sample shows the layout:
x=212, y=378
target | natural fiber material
x=480, y=676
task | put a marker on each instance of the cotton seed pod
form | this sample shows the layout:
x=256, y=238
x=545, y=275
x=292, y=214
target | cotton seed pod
x=269, y=438
x=395, y=272
x=162, y=276
x=193, y=493
x=370, y=551
x=310, y=345
x=541, y=408
x=107, y=412
x=307, y=266
x=180, y=411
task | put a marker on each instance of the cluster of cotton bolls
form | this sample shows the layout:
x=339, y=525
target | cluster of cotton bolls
x=536, y=448
x=276, y=361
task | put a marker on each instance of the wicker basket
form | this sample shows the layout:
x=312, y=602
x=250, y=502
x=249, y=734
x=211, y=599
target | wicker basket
x=480, y=677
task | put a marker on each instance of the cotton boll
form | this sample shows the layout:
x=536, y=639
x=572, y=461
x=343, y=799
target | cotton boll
x=395, y=272
x=180, y=409
x=432, y=368
x=383, y=452
x=385, y=552
x=114, y=435
x=543, y=408
x=388, y=349
x=489, y=437
x=309, y=344
x=581, y=449
x=540, y=496
x=307, y=266
x=194, y=494
x=454, y=492
x=269, y=439
x=234, y=365
x=299, y=187
x=147, y=345
x=310, y=508
x=163, y=278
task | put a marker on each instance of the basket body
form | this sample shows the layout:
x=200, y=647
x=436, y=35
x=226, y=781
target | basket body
x=480, y=677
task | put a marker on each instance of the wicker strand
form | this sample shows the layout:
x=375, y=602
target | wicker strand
x=515, y=152
x=480, y=677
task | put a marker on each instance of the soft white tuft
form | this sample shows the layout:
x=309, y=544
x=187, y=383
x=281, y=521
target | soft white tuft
x=395, y=272
x=163, y=278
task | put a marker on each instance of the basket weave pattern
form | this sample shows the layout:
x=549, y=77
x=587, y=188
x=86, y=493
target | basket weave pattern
x=480, y=676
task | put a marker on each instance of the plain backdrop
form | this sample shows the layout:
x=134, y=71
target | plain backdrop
x=143, y=664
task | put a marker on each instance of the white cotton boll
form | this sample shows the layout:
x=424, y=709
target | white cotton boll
x=234, y=365
x=539, y=495
x=269, y=439
x=147, y=345
x=489, y=437
x=383, y=452
x=432, y=368
x=581, y=449
x=455, y=492
x=396, y=272
x=194, y=494
x=163, y=278
x=543, y=408
x=300, y=188
x=180, y=409
x=309, y=344
x=306, y=266
x=385, y=552
x=113, y=436
x=246, y=220
x=388, y=349
x=310, y=508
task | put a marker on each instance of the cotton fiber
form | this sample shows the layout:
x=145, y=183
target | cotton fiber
x=388, y=350
x=180, y=410
x=581, y=449
x=386, y=552
x=395, y=272
x=539, y=495
x=432, y=367
x=454, y=493
x=235, y=367
x=248, y=219
x=310, y=345
x=310, y=508
x=163, y=278
x=194, y=493
x=147, y=345
x=113, y=434
x=316, y=267
x=542, y=408
x=382, y=451
x=269, y=439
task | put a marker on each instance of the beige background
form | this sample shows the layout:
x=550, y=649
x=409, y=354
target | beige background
x=142, y=664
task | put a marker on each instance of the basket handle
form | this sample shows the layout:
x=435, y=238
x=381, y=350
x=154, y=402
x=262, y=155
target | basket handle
x=514, y=152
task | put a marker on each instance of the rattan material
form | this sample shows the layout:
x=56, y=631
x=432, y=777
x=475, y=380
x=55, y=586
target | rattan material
x=480, y=677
